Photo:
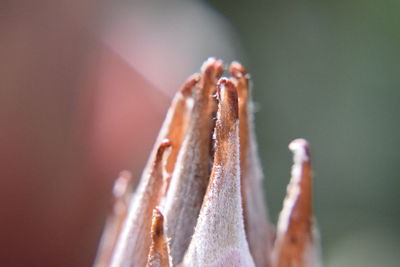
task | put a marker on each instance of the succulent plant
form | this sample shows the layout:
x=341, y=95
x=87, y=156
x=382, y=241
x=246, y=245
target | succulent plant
x=200, y=199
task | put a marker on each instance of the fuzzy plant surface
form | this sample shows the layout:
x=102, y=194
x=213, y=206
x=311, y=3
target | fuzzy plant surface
x=200, y=200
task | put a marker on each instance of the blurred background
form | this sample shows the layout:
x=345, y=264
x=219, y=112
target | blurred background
x=84, y=86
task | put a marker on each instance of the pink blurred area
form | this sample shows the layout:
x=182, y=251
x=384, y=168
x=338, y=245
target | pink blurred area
x=61, y=149
x=74, y=112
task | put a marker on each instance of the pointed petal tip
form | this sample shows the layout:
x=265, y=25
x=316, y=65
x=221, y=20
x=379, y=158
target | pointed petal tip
x=157, y=223
x=213, y=66
x=227, y=95
x=241, y=79
x=237, y=70
x=164, y=145
x=300, y=149
x=295, y=244
x=299, y=142
x=159, y=250
x=186, y=89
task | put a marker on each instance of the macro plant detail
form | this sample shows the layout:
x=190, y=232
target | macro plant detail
x=200, y=200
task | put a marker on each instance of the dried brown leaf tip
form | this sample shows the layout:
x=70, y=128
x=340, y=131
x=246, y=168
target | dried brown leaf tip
x=296, y=243
x=134, y=239
x=200, y=200
x=159, y=254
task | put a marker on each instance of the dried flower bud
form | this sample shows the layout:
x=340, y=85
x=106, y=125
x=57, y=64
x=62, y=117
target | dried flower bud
x=200, y=200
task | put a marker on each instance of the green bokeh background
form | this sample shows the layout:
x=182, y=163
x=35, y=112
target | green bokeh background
x=328, y=71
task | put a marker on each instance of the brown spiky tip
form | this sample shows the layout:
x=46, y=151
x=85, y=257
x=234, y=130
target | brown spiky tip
x=212, y=67
x=297, y=210
x=164, y=145
x=228, y=98
x=237, y=70
x=300, y=149
x=241, y=78
x=159, y=250
x=157, y=229
x=295, y=244
x=187, y=87
x=134, y=241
